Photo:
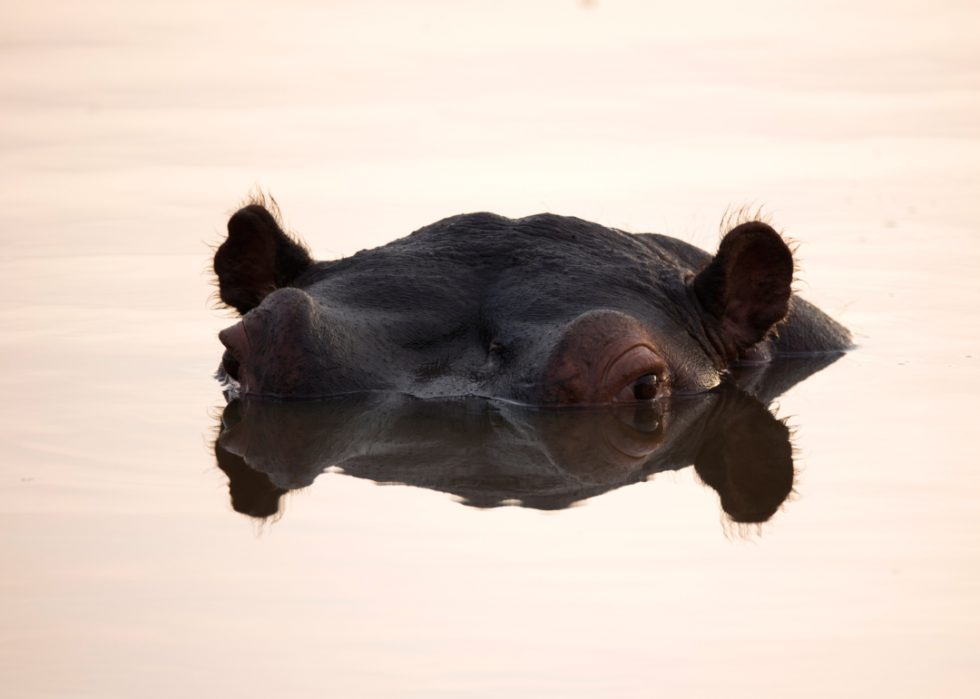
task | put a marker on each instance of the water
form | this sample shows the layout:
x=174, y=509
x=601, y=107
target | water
x=127, y=132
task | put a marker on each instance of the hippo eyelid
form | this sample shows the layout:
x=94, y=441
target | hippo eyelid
x=610, y=367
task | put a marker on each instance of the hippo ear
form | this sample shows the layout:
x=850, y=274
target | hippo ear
x=745, y=290
x=256, y=259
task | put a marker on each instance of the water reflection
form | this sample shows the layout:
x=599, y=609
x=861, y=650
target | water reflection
x=489, y=453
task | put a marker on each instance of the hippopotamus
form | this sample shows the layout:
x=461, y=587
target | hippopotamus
x=545, y=310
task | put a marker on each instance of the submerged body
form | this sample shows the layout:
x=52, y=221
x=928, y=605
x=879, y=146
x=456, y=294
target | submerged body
x=543, y=310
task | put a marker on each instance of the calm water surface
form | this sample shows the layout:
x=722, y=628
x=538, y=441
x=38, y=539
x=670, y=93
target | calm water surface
x=128, y=132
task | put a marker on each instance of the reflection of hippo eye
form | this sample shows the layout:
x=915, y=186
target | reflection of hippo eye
x=640, y=418
x=646, y=420
x=645, y=387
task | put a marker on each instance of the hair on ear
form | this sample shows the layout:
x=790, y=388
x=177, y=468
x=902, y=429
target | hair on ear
x=259, y=197
x=258, y=256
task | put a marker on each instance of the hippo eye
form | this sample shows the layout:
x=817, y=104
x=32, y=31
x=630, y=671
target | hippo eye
x=645, y=388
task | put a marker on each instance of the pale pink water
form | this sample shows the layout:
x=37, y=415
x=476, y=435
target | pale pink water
x=128, y=131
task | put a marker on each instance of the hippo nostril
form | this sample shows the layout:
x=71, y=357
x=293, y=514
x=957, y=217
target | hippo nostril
x=231, y=365
x=238, y=351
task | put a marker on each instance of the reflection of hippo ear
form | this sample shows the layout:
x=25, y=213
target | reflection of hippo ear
x=256, y=259
x=745, y=290
x=251, y=491
x=747, y=458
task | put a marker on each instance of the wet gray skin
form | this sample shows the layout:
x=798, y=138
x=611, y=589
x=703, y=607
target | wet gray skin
x=545, y=310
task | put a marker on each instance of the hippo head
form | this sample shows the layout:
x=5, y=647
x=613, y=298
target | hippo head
x=543, y=310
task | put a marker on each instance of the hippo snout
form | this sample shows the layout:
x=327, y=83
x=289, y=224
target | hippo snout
x=268, y=352
x=235, y=340
x=291, y=346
